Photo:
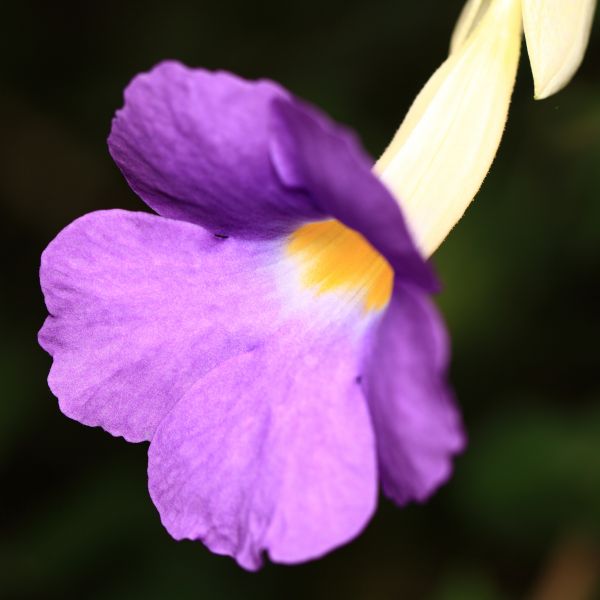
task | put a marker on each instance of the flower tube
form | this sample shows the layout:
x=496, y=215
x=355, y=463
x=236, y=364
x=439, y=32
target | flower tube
x=445, y=146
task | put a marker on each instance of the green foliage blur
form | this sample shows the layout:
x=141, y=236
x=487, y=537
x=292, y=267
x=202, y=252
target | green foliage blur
x=520, y=518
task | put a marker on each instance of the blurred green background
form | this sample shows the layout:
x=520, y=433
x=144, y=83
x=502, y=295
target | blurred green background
x=521, y=517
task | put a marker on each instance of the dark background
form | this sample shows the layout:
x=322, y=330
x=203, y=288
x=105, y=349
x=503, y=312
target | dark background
x=521, y=517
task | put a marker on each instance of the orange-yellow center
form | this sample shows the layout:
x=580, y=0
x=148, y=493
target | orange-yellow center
x=333, y=257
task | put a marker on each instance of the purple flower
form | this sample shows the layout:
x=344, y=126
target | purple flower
x=269, y=331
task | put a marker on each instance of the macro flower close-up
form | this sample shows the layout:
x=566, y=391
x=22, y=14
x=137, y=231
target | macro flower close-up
x=269, y=331
x=300, y=303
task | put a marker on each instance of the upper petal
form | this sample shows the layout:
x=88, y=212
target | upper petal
x=273, y=451
x=313, y=154
x=246, y=159
x=557, y=34
x=141, y=307
x=417, y=426
x=194, y=145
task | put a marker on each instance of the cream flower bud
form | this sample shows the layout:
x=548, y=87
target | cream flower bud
x=444, y=148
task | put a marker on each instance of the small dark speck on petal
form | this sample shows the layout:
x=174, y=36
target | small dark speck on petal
x=221, y=236
x=358, y=379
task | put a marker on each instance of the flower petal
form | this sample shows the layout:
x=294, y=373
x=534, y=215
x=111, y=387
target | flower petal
x=194, y=146
x=469, y=18
x=417, y=426
x=272, y=451
x=557, y=34
x=141, y=307
x=313, y=154
x=444, y=148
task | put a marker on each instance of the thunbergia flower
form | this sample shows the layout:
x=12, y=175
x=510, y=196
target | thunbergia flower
x=269, y=331
x=445, y=146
